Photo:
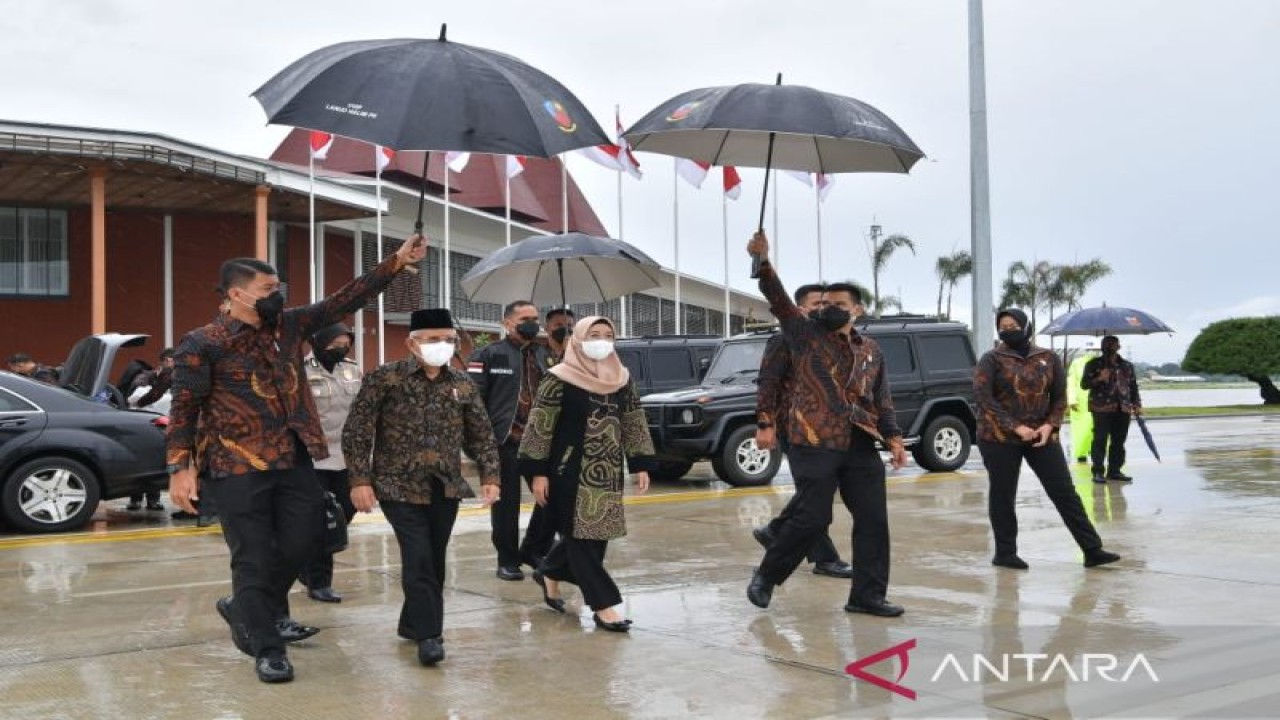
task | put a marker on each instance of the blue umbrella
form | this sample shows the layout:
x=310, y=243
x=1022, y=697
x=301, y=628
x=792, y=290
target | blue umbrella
x=1106, y=321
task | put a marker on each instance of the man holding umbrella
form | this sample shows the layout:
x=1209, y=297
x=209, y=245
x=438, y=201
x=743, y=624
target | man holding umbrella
x=1113, y=398
x=840, y=407
x=507, y=374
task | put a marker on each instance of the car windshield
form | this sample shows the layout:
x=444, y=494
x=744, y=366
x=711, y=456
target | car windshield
x=737, y=362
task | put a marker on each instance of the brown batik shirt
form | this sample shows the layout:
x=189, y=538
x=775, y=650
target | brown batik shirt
x=1117, y=391
x=1013, y=390
x=405, y=428
x=773, y=383
x=245, y=387
x=530, y=377
x=837, y=381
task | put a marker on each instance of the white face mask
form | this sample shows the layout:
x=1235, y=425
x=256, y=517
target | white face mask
x=436, y=354
x=597, y=349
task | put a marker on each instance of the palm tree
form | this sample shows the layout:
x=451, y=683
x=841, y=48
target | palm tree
x=951, y=270
x=1028, y=286
x=881, y=252
x=1076, y=280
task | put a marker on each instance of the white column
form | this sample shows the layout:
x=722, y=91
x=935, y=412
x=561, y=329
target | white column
x=983, y=327
x=357, y=253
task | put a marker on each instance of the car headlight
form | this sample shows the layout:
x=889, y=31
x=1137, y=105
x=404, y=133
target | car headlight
x=687, y=416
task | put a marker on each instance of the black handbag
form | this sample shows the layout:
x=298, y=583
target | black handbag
x=334, y=538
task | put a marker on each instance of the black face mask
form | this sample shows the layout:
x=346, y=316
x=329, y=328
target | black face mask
x=560, y=333
x=1016, y=339
x=330, y=358
x=528, y=329
x=270, y=307
x=831, y=318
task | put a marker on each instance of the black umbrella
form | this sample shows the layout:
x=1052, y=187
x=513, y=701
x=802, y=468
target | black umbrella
x=790, y=127
x=433, y=95
x=1146, y=435
x=572, y=267
x=1106, y=321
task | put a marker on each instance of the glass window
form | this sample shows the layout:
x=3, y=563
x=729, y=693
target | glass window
x=898, y=359
x=943, y=353
x=671, y=364
x=33, y=252
x=12, y=403
x=737, y=361
x=631, y=358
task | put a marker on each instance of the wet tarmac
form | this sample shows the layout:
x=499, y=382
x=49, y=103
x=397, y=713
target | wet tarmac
x=118, y=621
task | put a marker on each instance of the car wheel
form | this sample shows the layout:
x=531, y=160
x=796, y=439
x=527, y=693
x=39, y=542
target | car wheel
x=944, y=445
x=671, y=470
x=742, y=463
x=49, y=494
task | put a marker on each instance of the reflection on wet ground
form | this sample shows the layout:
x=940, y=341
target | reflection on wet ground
x=118, y=621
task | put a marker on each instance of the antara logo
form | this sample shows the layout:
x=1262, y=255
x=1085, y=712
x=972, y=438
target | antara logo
x=899, y=651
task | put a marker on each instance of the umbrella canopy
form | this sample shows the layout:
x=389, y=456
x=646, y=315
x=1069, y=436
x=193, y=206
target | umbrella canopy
x=812, y=130
x=568, y=268
x=412, y=94
x=1146, y=435
x=1106, y=321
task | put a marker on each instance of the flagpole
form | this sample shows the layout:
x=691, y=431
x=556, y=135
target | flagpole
x=446, y=288
x=564, y=194
x=357, y=262
x=817, y=206
x=675, y=234
x=777, y=249
x=622, y=302
x=311, y=175
x=724, y=222
x=382, y=310
x=507, y=172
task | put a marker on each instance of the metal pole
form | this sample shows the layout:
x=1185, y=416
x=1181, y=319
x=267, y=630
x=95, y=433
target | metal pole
x=775, y=240
x=446, y=284
x=382, y=310
x=817, y=204
x=724, y=222
x=564, y=195
x=623, y=324
x=507, y=172
x=311, y=174
x=357, y=262
x=983, y=328
x=675, y=235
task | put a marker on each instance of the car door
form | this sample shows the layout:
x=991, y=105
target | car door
x=21, y=421
x=902, y=369
x=947, y=363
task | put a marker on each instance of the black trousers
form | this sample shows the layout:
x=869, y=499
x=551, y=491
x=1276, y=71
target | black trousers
x=1004, y=464
x=573, y=560
x=858, y=473
x=318, y=573
x=823, y=549
x=539, y=537
x=423, y=533
x=271, y=522
x=504, y=515
x=1110, y=431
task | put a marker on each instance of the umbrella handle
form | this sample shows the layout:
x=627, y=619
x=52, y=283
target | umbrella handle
x=756, y=259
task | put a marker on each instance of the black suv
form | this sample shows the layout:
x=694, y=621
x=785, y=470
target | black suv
x=930, y=369
x=662, y=363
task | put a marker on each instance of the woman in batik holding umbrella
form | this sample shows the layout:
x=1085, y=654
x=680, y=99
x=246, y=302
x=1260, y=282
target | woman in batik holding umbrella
x=585, y=421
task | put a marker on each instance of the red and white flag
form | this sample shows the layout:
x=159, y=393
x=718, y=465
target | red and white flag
x=457, y=161
x=692, y=171
x=320, y=144
x=625, y=157
x=515, y=165
x=383, y=157
x=732, y=183
x=824, y=185
x=604, y=155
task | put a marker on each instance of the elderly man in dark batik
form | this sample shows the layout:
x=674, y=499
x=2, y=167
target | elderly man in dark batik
x=239, y=383
x=1113, y=399
x=1021, y=392
x=403, y=441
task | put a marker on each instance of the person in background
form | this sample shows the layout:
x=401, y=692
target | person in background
x=507, y=373
x=403, y=442
x=1020, y=390
x=1113, y=399
x=334, y=380
x=23, y=364
x=1078, y=402
x=772, y=409
x=585, y=422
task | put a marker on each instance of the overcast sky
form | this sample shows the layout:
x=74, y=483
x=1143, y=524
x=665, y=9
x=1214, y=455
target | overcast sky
x=1139, y=131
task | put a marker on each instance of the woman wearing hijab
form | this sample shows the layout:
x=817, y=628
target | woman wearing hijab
x=585, y=420
x=1021, y=392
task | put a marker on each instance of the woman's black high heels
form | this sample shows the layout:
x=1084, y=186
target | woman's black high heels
x=620, y=626
x=556, y=604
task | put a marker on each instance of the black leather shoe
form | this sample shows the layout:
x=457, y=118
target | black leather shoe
x=239, y=633
x=834, y=568
x=620, y=626
x=1098, y=478
x=324, y=594
x=1098, y=556
x=556, y=604
x=292, y=631
x=763, y=536
x=134, y=505
x=155, y=507
x=1010, y=561
x=181, y=515
x=430, y=651
x=1119, y=477
x=760, y=591
x=879, y=608
x=274, y=669
x=510, y=573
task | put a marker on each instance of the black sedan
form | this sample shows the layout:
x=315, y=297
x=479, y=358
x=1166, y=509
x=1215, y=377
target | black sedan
x=62, y=453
